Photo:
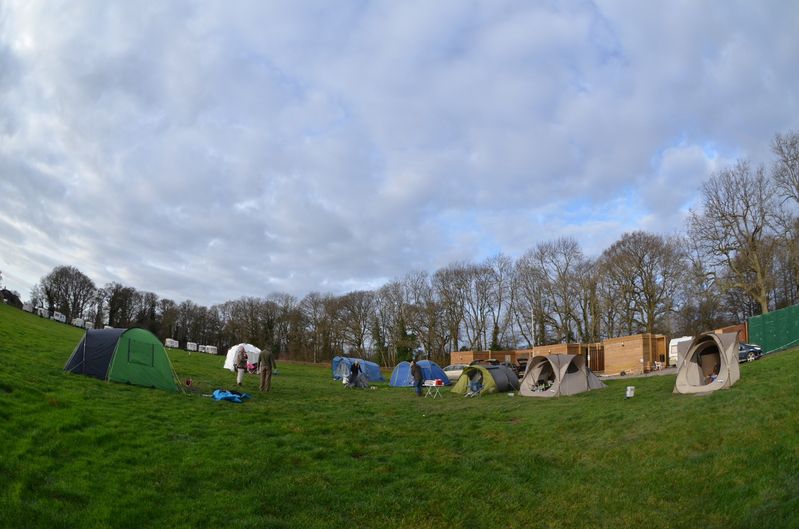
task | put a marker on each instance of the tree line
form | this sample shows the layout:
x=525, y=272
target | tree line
x=738, y=257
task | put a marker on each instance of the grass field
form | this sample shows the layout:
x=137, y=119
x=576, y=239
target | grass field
x=78, y=452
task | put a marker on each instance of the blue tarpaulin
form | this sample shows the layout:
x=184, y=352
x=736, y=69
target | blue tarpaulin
x=223, y=394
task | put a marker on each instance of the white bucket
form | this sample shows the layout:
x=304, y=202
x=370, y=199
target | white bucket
x=630, y=392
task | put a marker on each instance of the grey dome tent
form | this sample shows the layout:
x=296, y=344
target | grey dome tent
x=492, y=379
x=558, y=375
x=710, y=363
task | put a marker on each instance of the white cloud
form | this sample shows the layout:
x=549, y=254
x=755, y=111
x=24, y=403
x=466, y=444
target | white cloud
x=216, y=150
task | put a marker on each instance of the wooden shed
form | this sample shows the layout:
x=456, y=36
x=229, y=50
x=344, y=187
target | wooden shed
x=634, y=354
x=594, y=352
x=740, y=329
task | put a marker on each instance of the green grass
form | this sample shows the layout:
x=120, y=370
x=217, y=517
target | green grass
x=78, y=452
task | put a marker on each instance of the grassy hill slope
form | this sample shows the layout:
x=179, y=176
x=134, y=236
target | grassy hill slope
x=79, y=452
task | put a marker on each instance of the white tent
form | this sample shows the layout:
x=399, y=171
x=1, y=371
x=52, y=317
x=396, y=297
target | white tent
x=253, y=354
x=556, y=375
x=710, y=363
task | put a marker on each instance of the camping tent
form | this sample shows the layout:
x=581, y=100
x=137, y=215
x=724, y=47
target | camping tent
x=341, y=368
x=556, y=375
x=253, y=354
x=132, y=356
x=401, y=376
x=493, y=379
x=709, y=354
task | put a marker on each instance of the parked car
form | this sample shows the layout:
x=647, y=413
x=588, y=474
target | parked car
x=748, y=352
x=485, y=362
x=454, y=371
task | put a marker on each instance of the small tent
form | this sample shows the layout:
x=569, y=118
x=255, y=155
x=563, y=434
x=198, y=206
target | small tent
x=401, y=376
x=556, y=375
x=132, y=356
x=341, y=368
x=253, y=354
x=492, y=379
x=710, y=363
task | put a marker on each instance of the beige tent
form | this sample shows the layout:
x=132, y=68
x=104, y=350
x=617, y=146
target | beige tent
x=556, y=375
x=710, y=363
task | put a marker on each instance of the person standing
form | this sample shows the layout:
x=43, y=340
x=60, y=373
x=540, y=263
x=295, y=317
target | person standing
x=418, y=379
x=241, y=365
x=266, y=363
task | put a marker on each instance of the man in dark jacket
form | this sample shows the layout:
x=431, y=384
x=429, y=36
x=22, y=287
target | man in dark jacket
x=418, y=379
x=266, y=362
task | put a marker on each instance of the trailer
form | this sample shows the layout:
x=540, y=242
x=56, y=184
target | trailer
x=169, y=342
x=674, y=348
x=27, y=307
x=210, y=349
x=78, y=322
x=191, y=346
x=57, y=316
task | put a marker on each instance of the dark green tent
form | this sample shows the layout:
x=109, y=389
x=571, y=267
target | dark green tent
x=131, y=356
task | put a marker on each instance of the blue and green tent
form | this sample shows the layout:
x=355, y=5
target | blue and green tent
x=131, y=356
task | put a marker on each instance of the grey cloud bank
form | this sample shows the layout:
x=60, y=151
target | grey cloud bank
x=209, y=151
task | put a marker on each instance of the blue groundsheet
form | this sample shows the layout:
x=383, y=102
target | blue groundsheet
x=223, y=394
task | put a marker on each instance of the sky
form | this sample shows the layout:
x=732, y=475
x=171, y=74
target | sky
x=214, y=150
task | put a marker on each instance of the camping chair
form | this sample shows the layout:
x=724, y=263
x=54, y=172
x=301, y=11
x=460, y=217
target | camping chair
x=474, y=388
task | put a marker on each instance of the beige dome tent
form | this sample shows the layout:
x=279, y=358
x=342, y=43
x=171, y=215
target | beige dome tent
x=710, y=363
x=556, y=375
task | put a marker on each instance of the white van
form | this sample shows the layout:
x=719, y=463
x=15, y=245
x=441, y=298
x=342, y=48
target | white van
x=674, y=349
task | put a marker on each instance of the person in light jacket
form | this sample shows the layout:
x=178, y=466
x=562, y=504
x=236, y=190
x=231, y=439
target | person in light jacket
x=241, y=365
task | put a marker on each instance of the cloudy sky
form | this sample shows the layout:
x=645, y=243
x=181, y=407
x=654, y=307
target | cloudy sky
x=212, y=150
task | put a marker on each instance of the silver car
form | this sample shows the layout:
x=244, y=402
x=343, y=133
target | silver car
x=453, y=371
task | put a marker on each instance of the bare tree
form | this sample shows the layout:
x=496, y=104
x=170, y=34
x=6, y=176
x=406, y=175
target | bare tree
x=313, y=309
x=786, y=169
x=734, y=230
x=557, y=262
x=586, y=301
x=530, y=306
x=445, y=282
x=167, y=313
x=649, y=268
x=700, y=302
x=473, y=283
x=67, y=290
x=356, y=314
x=500, y=298
x=121, y=304
x=426, y=316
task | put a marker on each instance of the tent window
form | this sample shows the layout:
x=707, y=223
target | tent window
x=141, y=353
x=572, y=368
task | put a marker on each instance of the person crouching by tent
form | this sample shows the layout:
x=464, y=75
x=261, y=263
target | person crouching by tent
x=355, y=370
x=357, y=378
x=266, y=362
x=418, y=378
x=241, y=365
